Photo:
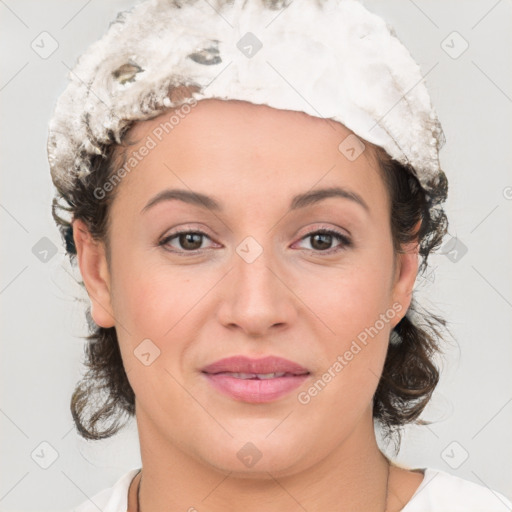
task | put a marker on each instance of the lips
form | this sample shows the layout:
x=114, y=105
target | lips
x=263, y=366
x=255, y=380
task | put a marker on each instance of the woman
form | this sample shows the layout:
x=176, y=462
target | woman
x=251, y=187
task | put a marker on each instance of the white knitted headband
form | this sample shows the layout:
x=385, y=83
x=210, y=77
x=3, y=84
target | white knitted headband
x=327, y=58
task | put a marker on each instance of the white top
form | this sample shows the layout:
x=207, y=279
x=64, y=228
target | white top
x=438, y=492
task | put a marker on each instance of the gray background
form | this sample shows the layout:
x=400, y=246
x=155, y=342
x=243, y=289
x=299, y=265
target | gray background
x=42, y=323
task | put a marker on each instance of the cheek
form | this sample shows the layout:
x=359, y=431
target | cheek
x=153, y=306
x=352, y=299
x=354, y=304
x=164, y=304
x=149, y=297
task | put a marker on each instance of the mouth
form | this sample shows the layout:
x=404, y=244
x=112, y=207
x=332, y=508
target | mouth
x=255, y=380
x=260, y=376
x=264, y=366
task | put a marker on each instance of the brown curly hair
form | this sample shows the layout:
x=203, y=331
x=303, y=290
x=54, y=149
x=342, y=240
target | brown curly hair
x=103, y=398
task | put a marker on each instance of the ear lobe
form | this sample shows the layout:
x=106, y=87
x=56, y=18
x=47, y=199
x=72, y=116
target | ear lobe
x=94, y=269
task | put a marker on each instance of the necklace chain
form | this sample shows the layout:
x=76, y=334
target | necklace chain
x=385, y=506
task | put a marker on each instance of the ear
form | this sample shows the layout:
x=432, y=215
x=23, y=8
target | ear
x=406, y=271
x=94, y=269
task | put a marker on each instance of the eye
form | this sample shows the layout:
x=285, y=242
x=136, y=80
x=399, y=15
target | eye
x=189, y=241
x=321, y=239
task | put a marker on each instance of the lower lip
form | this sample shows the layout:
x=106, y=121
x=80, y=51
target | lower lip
x=255, y=390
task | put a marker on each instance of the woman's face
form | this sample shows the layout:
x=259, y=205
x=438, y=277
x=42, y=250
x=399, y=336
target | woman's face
x=251, y=279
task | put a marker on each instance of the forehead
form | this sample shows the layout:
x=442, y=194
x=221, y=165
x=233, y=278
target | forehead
x=262, y=153
x=215, y=122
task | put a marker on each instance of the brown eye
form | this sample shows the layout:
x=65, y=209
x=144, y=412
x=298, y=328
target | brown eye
x=190, y=241
x=322, y=240
x=187, y=241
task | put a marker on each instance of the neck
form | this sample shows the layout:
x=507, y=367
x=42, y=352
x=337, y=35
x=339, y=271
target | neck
x=353, y=476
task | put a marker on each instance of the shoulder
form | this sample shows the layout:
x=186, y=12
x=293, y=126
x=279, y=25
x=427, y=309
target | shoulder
x=443, y=492
x=112, y=499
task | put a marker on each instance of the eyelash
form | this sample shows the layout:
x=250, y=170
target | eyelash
x=345, y=241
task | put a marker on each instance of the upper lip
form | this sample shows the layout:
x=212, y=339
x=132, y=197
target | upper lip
x=264, y=365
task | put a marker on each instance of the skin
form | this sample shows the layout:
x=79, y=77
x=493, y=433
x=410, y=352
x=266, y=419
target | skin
x=293, y=301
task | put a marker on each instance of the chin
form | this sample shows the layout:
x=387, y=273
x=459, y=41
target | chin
x=255, y=456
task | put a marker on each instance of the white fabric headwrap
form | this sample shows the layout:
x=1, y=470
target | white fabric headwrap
x=328, y=58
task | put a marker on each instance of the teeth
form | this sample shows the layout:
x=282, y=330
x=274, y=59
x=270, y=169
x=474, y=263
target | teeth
x=256, y=375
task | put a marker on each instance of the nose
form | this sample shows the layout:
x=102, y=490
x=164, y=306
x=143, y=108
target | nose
x=257, y=298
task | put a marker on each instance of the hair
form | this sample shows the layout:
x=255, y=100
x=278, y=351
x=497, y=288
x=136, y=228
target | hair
x=410, y=374
x=103, y=400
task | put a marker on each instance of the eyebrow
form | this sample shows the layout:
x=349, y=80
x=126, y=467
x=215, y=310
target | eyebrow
x=298, y=201
x=194, y=198
x=303, y=200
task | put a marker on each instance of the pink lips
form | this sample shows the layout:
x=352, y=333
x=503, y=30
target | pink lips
x=255, y=380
